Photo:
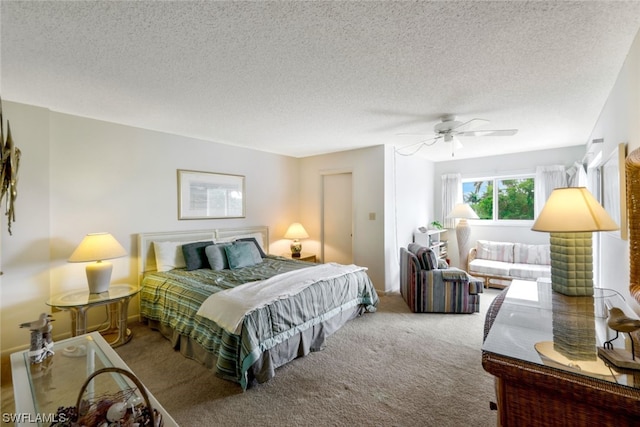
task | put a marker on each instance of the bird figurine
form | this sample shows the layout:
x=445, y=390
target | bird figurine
x=38, y=325
x=41, y=338
x=619, y=322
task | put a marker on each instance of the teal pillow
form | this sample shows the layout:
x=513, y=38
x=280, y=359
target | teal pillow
x=240, y=255
x=217, y=256
x=252, y=247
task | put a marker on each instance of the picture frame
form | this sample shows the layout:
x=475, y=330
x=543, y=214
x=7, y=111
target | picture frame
x=210, y=195
x=614, y=198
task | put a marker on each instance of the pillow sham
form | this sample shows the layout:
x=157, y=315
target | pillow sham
x=241, y=254
x=216, y=256
x=255, y=242
x=169, y=255
x=195, y=256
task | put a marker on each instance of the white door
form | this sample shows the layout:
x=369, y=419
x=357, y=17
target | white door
x=337, y=227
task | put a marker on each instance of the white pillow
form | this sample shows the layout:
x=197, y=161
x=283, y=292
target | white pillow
x=169, y=255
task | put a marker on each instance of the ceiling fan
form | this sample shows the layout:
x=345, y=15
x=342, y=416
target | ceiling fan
x=449, y=129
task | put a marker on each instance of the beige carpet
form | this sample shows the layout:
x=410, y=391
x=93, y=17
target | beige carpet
x=390, y=368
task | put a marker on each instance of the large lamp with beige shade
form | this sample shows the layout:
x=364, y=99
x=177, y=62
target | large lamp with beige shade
x=96, y=248
x=571, y=215
x=462, y=212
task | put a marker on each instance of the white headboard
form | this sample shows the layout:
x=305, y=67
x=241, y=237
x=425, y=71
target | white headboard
x=147, y=257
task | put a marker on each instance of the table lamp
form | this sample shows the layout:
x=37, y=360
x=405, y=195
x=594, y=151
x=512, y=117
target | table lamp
x=571, y=215
x=98, y=247
x=463, y=211
x=296, y=231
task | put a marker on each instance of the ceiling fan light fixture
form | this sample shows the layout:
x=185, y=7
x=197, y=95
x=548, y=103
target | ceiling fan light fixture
x=449, y=129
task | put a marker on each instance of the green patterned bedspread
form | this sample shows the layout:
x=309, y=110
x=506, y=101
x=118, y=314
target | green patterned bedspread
x=173, y=298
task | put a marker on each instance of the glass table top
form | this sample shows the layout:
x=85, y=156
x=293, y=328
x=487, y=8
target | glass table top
x=82, y=297
x=536, y=325
x=58, y=380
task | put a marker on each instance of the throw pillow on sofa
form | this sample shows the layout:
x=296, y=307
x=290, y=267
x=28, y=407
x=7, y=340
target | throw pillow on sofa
x=495, y=251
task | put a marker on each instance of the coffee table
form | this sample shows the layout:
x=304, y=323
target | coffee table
x=40, y=389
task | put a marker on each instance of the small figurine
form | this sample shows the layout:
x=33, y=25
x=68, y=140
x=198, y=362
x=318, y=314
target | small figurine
x=619, y=322
x=41, y=338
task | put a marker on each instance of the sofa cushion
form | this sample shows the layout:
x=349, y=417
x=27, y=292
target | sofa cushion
x=494, y=251
x=531, y=254
x=489, y=267
x=529, y=271
x=427, y=258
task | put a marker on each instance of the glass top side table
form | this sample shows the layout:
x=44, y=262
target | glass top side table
x=79, y=301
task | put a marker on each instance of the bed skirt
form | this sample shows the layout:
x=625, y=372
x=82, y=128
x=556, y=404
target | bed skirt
x=299, y=345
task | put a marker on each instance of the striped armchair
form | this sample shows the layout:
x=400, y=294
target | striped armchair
x=429, y=289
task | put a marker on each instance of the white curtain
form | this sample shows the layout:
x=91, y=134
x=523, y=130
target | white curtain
x=577, y=176
x=451, y=194
x=547, y=179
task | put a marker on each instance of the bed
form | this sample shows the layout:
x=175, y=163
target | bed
x=181, y=301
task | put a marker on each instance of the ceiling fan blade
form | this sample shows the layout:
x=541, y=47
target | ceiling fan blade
x=426, y=135
x=471, y=124
x=501, y=132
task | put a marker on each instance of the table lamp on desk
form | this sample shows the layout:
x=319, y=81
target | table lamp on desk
x=98, y=247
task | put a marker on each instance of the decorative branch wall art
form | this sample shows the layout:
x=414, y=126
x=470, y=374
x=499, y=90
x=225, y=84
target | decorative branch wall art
x=9, y=163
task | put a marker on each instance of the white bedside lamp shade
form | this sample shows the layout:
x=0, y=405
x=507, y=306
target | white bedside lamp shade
x=570, y=215
x=463, y=211
x=296, y=231
x=98, y=247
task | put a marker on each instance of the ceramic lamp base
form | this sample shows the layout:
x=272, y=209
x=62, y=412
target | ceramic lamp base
x=572, y=264
x=99, y=276
x=296, y=248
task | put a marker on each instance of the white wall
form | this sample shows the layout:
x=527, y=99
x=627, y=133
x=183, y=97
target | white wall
x=409, y=201
x=367, y=168
x=80, y=175
x=500, y=165
x=25, y=283
x=619, y=122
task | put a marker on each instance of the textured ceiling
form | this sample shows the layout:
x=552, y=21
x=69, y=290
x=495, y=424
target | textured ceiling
x=304, y=78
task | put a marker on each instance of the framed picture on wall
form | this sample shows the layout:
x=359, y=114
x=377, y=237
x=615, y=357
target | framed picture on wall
x=208, y=195
x=614, y=197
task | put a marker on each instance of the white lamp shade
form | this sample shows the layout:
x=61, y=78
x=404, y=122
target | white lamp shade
x=463, y=210
x=573, y=209
x=97, y=247
x=296, y=231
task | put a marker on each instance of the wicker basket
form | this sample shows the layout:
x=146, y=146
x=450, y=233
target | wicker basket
x=88, y=413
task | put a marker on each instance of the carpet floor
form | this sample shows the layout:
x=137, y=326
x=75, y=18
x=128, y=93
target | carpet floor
x=389, y=368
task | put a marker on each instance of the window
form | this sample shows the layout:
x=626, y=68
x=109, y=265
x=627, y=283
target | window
x=501, y=199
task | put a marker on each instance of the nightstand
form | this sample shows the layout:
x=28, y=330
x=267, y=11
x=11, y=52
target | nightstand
x=77, y=302
x=304, y=256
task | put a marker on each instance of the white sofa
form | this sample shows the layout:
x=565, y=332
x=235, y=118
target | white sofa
x=504, y=261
